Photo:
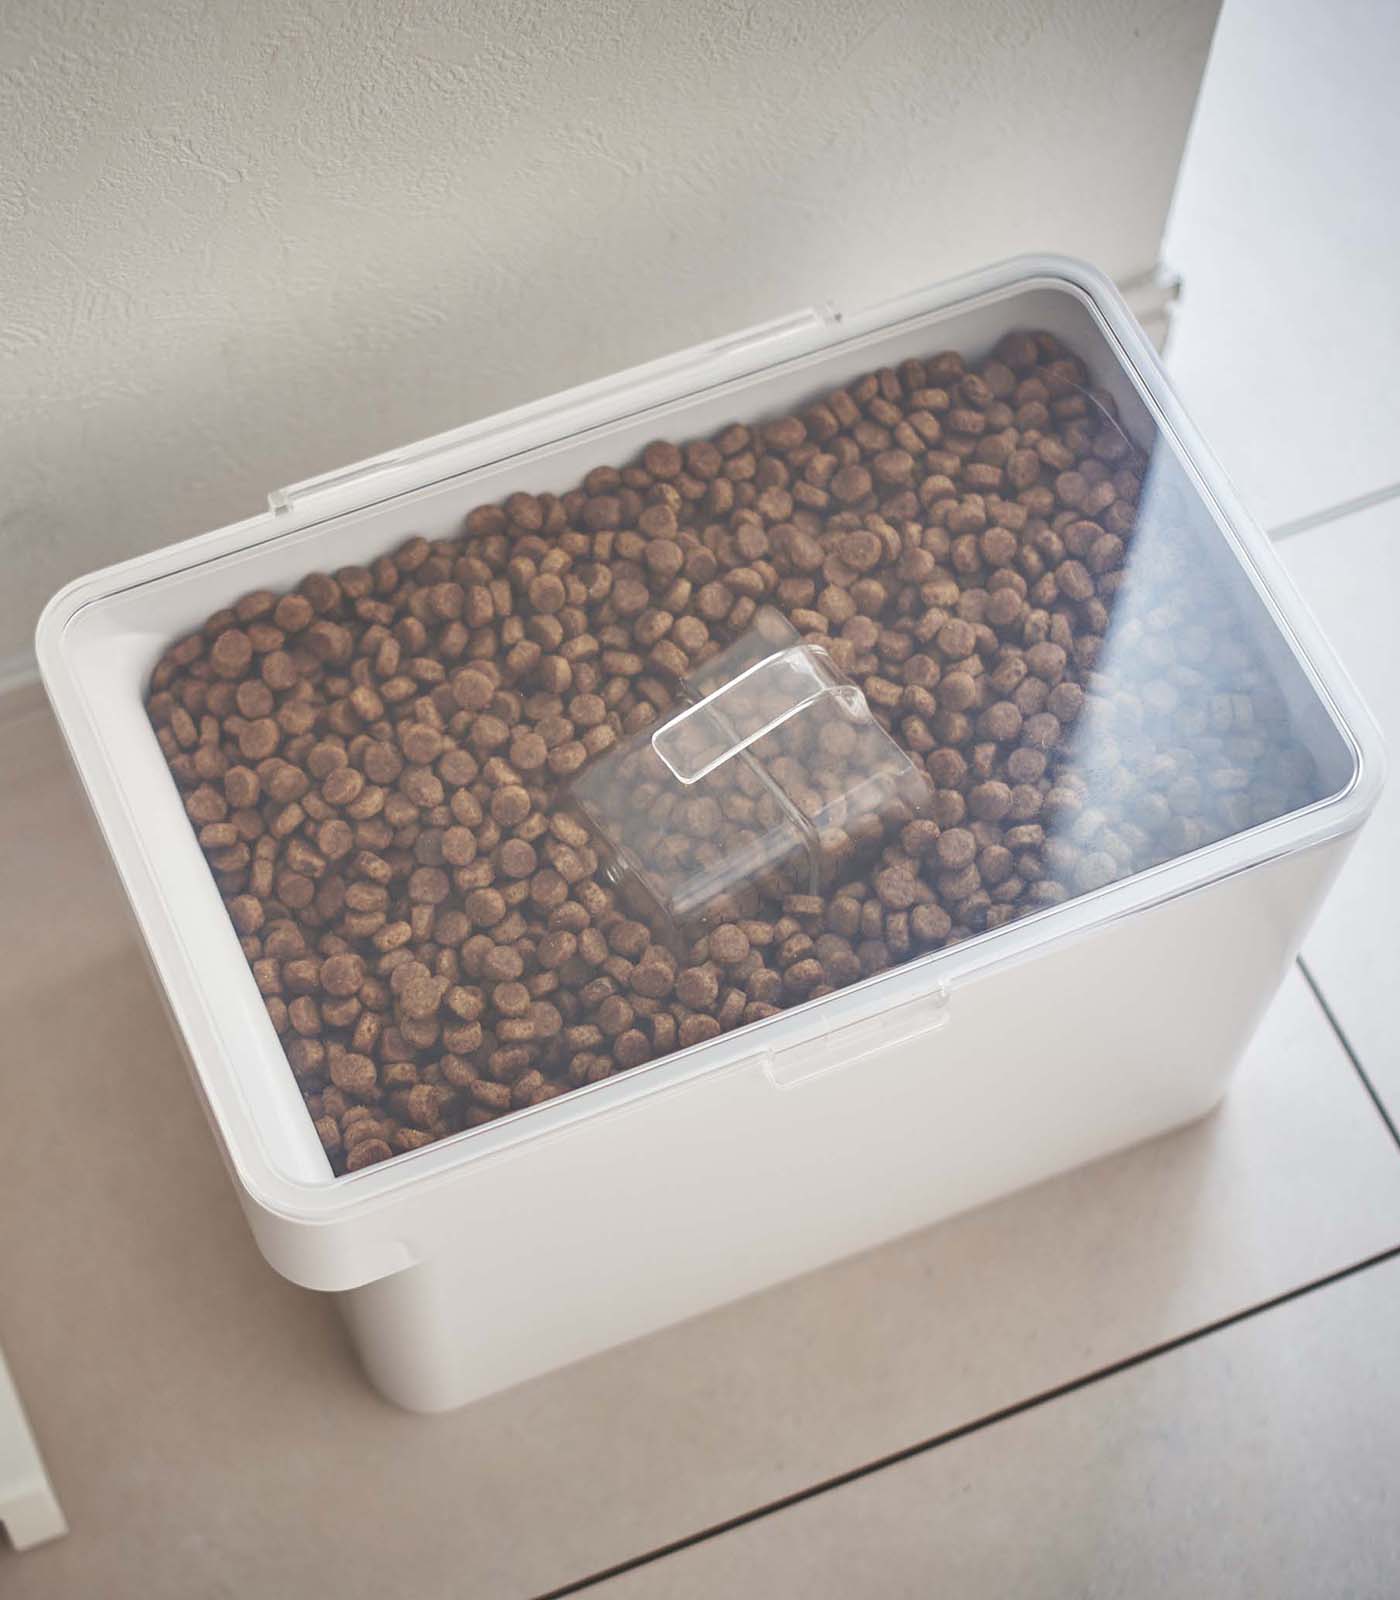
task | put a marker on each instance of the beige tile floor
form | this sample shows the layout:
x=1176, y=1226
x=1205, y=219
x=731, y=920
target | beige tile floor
x=1129, y=1487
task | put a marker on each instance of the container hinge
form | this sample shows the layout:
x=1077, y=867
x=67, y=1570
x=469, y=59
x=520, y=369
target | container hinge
x=570, y=411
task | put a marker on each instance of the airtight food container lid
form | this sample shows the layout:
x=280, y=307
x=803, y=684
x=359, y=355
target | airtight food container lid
x=913, y=641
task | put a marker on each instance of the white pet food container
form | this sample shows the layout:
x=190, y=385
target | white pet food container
x=563, y=1229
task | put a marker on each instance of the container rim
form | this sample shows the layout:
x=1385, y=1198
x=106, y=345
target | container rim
x=296, y=1197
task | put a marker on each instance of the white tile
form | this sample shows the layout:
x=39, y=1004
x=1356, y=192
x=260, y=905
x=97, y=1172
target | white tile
x=1349, y=572
x=1259, y=1461
x=211, y=1435
x=1286, y=229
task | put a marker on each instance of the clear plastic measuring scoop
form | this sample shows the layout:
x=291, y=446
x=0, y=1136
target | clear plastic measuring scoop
x=773, y=778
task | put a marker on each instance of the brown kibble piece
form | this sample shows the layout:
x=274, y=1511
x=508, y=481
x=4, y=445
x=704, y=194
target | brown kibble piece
x=518, y=858
x=930, y=924
x=729, y=945
x=502, y=963
x=352, y=1073
x=232, y=653
x=472, y=689
x=698, y=988
x=421, y=996
x=662, y=459
x=897, y=888
x=366, y=1154
x=956, y=848
x=486, y=907
x=851, y=484
x=510, y=805
x=246, y=913
x=696, y=1030
x=258, y=739
x=342, y=974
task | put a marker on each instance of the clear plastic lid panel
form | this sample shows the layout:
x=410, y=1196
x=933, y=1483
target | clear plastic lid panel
x=748, y=718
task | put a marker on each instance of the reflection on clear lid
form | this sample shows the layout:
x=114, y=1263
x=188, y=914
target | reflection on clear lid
x=773, y=778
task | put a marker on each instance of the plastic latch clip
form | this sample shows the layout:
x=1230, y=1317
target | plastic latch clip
x=854, y=1042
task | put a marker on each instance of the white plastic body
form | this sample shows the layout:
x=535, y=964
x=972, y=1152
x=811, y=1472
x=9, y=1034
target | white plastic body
x=606, y=1213
x=735, y=1182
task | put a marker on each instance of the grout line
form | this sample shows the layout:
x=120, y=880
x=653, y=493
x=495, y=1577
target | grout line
x=897, y=1457
x=1346, y=508
x=1346, y=1045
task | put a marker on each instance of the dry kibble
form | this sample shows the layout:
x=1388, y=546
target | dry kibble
x=956, y=639
x=458, y=847
x=990, y=801
x=342, y=974
x=366, y=1154
x=956, y=848
x=897, y=888
x=696, y=1029
x=354, y=1074
x=850, y=484
x=654, y=979
x=232, y=653
x=517, y=858
x=246, y=913
x=919, y=837
x=698, y=988
x=502, y=963
x=615, y=1015
x=258, y=739
x=490, y=1096
x=472, y=689
x=528, y=752
x=510, y=805
x=485, y=907
x=420, y=996
x=956, y=691
x=376, y=765
x=930, y=924
x=729, y=945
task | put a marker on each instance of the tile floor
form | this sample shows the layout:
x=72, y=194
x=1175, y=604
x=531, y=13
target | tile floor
x=1169, y=1373
x=1134, y=1485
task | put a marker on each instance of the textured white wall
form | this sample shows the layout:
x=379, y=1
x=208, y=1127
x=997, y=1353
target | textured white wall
x=244, y=241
